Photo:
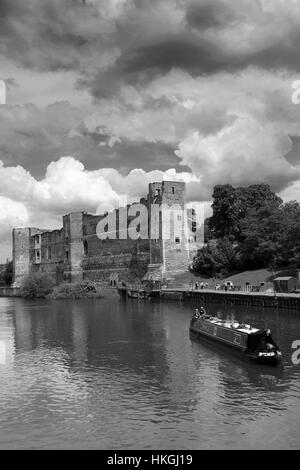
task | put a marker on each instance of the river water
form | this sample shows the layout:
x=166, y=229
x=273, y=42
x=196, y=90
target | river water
x=104, y=374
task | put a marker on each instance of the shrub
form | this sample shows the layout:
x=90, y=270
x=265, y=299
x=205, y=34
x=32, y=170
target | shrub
x=76, y=290
x=37, y=285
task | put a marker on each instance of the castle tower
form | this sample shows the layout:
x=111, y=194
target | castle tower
x=21, y=255
x=74, y=249
x=25, y=251
x=169, y=244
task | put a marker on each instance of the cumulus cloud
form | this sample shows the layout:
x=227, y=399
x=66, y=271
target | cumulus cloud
x=67, y=187
x=12, y=214
x=240, y=154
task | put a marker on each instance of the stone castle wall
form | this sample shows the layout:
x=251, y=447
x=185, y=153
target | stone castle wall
x=75, y=252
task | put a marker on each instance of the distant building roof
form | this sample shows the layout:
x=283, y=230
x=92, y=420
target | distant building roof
x=284, y=278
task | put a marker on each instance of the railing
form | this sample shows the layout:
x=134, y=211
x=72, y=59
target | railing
x=191, y=286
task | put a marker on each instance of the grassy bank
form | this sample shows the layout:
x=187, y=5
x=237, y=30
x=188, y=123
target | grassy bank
x=253, y=277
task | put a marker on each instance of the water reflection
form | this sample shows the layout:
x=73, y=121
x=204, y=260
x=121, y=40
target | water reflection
x=107, y=374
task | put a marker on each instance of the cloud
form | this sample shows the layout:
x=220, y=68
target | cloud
x=202, y=87
x=208, y=14
x=12, y=214
x=291, y=192
x=112, y=43
x=241, y=154
x=67, y=187
x=32, y=136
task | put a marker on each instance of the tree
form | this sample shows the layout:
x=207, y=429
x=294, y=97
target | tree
x=290, y=234
x=218, y=257
x=261, y=231
x=8, y=273
x=231, y=205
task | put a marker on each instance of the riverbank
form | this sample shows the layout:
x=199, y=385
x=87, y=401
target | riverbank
x=206, y=296
x=61, y=294
x=10, y=292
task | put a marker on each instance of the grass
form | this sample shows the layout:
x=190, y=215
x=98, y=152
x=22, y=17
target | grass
x=253, y=277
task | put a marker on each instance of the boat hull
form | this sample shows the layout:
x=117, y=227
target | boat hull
x=271, y=359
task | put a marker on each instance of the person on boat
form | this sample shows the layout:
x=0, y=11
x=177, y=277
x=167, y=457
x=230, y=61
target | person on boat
x=196, y=314
x=202, y=311
x=270, y=343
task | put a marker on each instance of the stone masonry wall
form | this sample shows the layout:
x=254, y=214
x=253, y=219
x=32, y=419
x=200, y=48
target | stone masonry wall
x=75, y=252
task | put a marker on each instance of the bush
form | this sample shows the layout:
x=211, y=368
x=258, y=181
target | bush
x=77, y=290
x=37, y=285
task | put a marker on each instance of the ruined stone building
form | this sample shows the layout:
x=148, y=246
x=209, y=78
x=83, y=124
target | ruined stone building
x=76, y=251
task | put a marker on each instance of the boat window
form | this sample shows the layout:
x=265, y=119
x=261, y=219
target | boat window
x=237, y=339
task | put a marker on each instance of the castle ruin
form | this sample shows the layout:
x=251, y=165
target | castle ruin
x=75, y=252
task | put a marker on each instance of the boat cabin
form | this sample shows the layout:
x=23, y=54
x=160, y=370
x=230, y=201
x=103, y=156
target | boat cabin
x=233, y=333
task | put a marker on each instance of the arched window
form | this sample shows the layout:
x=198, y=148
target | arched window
x=86, y=247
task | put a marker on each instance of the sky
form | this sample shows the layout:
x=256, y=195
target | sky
x=105, y=96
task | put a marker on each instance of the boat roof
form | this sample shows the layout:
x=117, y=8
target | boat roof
x=230, y=325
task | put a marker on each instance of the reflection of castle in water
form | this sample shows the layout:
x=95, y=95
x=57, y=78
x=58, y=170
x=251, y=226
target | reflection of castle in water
x=90, y=334
x=135, y=348
x=7, y=346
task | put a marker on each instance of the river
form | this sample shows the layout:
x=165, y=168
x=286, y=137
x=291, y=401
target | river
x=106, y=374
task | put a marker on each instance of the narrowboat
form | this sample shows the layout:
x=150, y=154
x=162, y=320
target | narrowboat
x=251, y=344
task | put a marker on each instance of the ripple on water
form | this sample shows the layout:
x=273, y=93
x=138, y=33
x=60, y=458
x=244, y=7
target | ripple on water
x=103, y=374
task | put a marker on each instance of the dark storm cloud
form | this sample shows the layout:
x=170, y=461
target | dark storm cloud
x=128, y=155
x=209, y=14
x=47, y=35
x=180, y=52
x=33, y=138
x=141, y=65
x=93, y=149
x=76, y=35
